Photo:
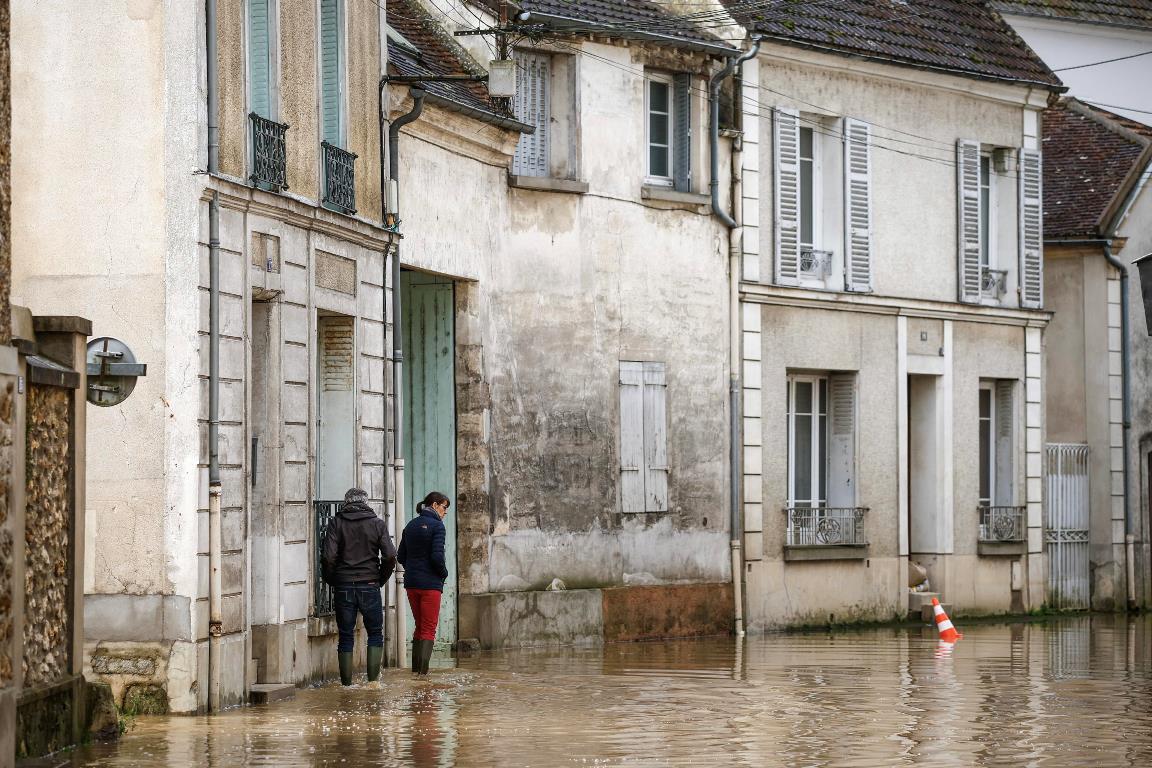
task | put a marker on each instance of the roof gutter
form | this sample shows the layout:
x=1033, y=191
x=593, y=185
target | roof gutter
x=507, y=123
x=718, y=49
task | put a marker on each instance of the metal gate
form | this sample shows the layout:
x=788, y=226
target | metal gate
x=1066, y=529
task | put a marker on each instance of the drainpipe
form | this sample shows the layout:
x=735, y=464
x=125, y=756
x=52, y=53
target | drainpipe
x=1126, y=401
x=215, y=537
x=412, y=115
x=734, y=242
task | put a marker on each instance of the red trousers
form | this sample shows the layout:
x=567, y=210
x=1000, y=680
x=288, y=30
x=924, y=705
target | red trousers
x=425, y=605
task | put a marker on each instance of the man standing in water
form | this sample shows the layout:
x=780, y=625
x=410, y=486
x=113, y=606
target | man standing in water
x=358, y=558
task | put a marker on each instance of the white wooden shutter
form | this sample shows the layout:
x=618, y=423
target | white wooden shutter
x=259, y=58
x=331, y=73
x=1031, y=230
x=1005, y=450
x=632, y=437
x=682, y=132
x=655, y=439
x=842, y=440
x=532, y=106
x=786, y=171
x=968, y=221
x=857, y=205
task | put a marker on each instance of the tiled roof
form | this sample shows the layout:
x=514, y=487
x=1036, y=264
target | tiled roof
x=436, y=54
x=640, y=18
x=1088, y=155
x=962, y=36
x=1119, y=13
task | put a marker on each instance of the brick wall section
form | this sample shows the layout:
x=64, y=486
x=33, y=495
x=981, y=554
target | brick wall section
x=47, y=536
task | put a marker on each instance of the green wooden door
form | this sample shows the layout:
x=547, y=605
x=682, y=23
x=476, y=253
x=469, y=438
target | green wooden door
x=430, y=417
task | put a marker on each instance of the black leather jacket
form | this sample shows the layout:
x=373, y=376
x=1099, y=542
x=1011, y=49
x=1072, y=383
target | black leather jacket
x=354, y=544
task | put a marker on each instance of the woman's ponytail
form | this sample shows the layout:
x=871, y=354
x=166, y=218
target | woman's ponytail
x=433, y=498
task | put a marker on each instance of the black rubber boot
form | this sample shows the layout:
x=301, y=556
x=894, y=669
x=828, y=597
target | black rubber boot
x=417, y=652
x=375, y=656
x=426, y=655
x=346, y=667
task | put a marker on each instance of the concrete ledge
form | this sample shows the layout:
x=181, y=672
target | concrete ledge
x=62, y=324
x=519, y=619
x=1001, y=548
x=139, y=618
x=548, y=184
x=826, y=552
x=269, y=693
x=669, y=195
x=322, y=626
x=657, y=612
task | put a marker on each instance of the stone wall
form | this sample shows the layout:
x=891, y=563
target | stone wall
x=7, y=555
x=47, y=626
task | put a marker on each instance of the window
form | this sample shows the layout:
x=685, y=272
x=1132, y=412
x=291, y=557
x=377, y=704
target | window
x=821, y=410
x=332, y=72
x=267, y=150
x=823, y=201
x=996, y=422
x=985, y=211
x=643, y=438
x=667, y=101
x=533, y=73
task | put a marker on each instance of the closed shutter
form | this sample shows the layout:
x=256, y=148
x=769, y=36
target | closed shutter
x=532, y=107
x=1031, y=231
x=259, y=58
x=1005, y=449
x=655, y=439
x=632, y=437
x=857, y=205
x=842, y=440
x=786, y=171
x=682, y=132
x=331, y=72
x=968, y=222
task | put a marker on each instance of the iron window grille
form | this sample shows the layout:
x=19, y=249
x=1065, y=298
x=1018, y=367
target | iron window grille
x=993, y=282
x=1001, y=523
x=269, y=154
x=815, y=263
x=339, y=178
x=826, y=526
x=325, y=599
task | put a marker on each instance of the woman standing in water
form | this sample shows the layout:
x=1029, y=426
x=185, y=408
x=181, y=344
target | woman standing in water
x=422, y=555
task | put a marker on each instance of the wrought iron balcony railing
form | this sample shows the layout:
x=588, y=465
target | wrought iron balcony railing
x=993, y=282
x=826, y=526
x=339, y=178
x=814, y=263
x=1001, y=523
x=269, y=155
x=325, y=600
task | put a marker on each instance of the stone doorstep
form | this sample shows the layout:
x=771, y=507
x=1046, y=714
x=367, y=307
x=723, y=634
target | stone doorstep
x=268, y=693
x=920, y=607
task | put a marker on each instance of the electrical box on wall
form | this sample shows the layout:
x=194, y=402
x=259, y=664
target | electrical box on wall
x=502, y=78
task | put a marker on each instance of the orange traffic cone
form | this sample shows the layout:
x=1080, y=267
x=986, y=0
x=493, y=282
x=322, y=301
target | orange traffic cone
x=944, y=626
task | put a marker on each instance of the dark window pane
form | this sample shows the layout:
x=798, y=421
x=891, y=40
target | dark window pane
x=802, y=459
x=985, y=202
x=658, y=97
x=806, y=141
x=985, y=445
x=658, y=161
x=822, y=463
x=658, y=129
x=803, y=397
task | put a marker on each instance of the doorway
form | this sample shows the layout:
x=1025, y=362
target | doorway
x=927, y=531
x=428, y=323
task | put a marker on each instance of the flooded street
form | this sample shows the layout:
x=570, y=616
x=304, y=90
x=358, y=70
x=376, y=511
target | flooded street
x=1064, y=692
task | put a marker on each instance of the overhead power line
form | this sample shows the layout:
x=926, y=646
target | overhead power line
x=1105, y=61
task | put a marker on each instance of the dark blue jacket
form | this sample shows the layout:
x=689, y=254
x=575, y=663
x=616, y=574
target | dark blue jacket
x=422, y=552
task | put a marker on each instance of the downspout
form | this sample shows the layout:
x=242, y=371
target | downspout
x=412, y=115
x=734, y=385
x=1126, y=409
x=215, y=535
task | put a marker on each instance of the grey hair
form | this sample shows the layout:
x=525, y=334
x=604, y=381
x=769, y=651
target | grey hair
x=356, y=496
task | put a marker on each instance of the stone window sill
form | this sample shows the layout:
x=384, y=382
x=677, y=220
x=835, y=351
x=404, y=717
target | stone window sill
x=826, y=552
x=669, y=195
x=1001, y=548
x=548, y=184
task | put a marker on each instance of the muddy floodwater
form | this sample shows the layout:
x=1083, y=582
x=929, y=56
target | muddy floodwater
x=1064, y=692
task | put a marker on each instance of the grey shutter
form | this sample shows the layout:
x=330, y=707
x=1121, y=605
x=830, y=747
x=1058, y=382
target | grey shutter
x=655, y=439
x=1005, y=449
x=1031, y=230
x=842, y=440
x=259, y=58
x=532, y=107
x=786, y=173
x=968, y=221
x=632, y=437
x=857, y=205
x=682, y=132
x=331, y=79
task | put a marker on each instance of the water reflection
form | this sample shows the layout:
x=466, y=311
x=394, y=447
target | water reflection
x=1073, y=691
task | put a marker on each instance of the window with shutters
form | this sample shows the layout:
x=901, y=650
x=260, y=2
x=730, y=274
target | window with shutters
x=821, y=412
x=332, y=85
x=267, y=148
x=823, y=201
x=643, y=437
x=545, y=100
x=668, y=129
x=997, y=422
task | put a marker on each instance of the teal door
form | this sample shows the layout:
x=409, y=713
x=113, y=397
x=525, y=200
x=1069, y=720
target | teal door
x=427, y=306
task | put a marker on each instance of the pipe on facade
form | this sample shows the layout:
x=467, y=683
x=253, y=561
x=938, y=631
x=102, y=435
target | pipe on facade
x=215, y=535
x=1126, y=409
x=412, y=115
x=732, y=221
x=211, y=75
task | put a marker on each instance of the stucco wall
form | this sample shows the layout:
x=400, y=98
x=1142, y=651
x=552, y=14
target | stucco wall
x=1066, y=294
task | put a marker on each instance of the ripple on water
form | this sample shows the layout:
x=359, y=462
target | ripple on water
x=1066, y=692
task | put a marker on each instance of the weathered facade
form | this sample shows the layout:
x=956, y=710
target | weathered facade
x=892, y=316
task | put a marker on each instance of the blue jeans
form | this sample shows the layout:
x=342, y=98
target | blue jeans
x=365, y=600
